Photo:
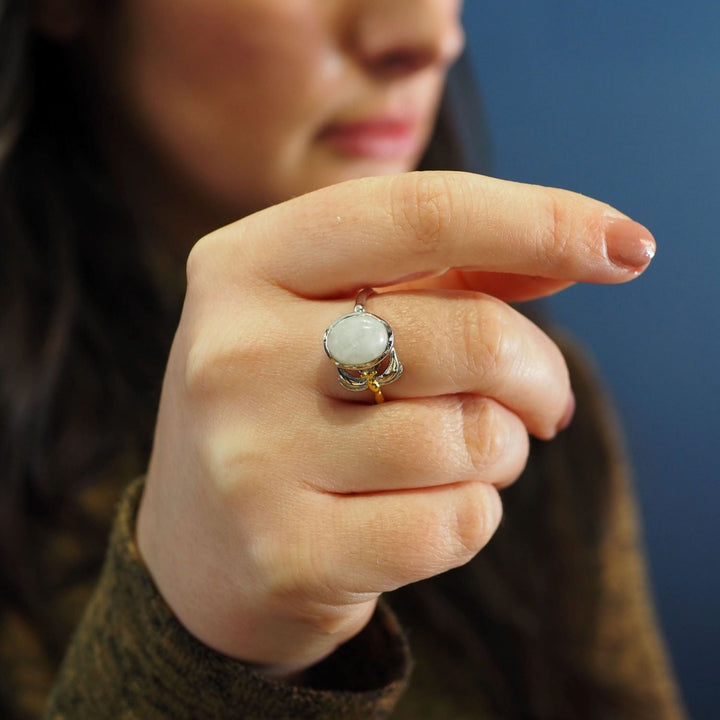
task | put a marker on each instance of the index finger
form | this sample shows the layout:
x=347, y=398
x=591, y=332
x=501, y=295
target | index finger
x=377, y=231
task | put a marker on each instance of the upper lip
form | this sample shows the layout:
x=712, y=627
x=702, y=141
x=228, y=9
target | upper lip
x=380, y=123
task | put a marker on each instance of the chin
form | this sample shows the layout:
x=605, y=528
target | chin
x=367, y=167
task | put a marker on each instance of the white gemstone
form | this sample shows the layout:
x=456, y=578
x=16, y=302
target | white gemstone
x=357, y=339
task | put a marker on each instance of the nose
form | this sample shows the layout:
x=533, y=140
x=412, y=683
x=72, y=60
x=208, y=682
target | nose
x=402, y=37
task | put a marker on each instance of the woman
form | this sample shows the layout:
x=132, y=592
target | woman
x=274, y=506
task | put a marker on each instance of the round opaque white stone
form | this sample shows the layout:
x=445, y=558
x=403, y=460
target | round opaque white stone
x=357, y=339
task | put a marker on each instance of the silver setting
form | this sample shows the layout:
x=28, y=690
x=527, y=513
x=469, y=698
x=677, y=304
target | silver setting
x=382, y=370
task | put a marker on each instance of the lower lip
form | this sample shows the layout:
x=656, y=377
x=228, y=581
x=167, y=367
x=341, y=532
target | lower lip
x=384, y=141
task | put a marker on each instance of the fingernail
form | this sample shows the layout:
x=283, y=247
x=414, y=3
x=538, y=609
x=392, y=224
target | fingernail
x=629, y=244
x=566, y=419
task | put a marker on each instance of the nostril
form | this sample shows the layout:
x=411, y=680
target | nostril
x=402, y=61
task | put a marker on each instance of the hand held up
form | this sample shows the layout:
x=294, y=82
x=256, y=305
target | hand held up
x=279, y=505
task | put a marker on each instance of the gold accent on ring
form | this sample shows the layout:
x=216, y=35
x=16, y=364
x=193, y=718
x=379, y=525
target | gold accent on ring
x=374, y=387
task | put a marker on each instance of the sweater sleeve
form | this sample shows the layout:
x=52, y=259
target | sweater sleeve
x=131, y=658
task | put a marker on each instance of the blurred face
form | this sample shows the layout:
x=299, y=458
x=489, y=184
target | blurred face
x=250, y=102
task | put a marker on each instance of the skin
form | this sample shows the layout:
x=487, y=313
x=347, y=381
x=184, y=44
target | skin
x=227, y=101
x=278, y=506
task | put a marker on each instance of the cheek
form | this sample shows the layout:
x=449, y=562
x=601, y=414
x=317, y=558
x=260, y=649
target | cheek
x=215, y=83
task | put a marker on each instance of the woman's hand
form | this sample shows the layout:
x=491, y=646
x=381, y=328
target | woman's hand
x=278, y=505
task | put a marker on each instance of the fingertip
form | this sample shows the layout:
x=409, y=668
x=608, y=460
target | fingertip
x=630, y=245
x=549, y=432
x=567, y=417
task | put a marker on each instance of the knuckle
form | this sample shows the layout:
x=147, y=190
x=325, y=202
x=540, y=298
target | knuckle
x=197, y=360
x=475, y=520
x=213, y=365
x=219, y=257
x=486, y=436
x=486, y=341
x=199, y=262
x=201, y=368
x=194, y=265
x=230, y=458
x=556, y=230
x=421, y=204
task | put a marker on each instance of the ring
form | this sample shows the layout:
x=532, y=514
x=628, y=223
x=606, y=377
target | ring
x=362, y=347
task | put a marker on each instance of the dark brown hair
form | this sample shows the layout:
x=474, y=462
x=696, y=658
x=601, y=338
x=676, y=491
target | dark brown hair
x=83, y=329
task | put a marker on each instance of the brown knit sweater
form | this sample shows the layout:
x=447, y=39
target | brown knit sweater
x=565, y=627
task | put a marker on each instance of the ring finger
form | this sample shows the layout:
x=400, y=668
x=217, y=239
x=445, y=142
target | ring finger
x=468, y=343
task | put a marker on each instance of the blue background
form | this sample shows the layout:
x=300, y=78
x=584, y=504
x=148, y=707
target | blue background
x=621, y=101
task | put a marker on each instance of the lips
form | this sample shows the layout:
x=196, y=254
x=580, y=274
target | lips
x=379, y=138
